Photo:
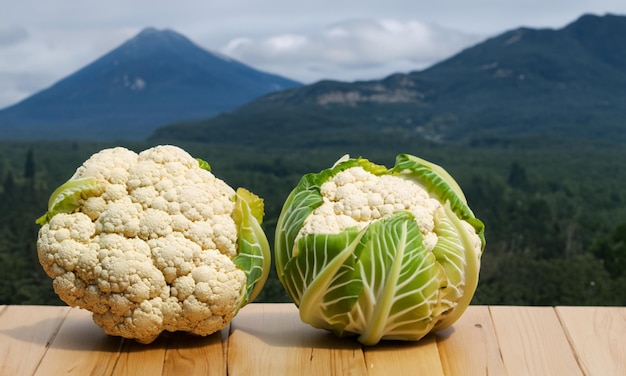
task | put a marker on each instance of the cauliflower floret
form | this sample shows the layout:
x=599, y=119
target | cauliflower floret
x=111, y=165
x=356, y=197
x=151, y=249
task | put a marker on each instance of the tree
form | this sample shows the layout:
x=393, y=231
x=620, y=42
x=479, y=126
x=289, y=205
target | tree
x=612, y=251
x=8, y=185
x=29, y=165
x=517, y=177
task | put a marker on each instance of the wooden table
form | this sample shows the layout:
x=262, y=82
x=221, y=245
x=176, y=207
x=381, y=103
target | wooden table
x=269, y=339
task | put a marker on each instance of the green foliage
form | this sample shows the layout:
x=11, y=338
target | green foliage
x=611, y=249
x=514, y=279
x=545, y=236
x=22, y=280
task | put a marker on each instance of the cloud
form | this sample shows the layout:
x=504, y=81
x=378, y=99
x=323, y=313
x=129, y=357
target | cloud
x=12, y=35
x=350, y=50
x=33, y=59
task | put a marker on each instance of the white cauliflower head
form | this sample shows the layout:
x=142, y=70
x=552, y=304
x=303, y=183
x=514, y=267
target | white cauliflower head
x=153, y=242
x=356, y=197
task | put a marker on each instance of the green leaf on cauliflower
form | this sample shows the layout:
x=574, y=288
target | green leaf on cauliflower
x=69, y=196
x=401, y=282
x=253, y=256
x=204, y=164
x=438, y=182
x=456, y=255
x=322, y=260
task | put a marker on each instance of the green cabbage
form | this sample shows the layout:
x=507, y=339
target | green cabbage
x=381, y=281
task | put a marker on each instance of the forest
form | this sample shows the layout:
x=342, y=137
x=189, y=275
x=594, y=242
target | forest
x=555, y=213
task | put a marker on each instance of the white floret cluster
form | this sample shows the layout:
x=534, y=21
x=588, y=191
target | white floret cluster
x=356, y=197
x=153, y=251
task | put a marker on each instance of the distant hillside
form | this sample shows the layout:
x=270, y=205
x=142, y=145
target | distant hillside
x=525, y=83
x=156, y=78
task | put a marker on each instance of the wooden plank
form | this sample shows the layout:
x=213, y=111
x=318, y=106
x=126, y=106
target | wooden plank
x=80, y=348
x=141, y=359
x=270, y=339
x=532, y=341
x=470, y=346
x=404, y=358
x=191, y=355
x=25, y=332
x=597, y=334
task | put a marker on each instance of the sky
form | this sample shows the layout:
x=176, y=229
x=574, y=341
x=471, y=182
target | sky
x=42, y=42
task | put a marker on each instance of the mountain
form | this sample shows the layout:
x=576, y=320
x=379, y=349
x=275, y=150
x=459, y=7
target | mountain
x=156, y=78
x=567, y=83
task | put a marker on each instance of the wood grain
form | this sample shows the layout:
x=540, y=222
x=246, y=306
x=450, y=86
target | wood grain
x=404, y=358
x=532, y=341
x=597, y=335
x=196, y=356
x=270, y=339
x=470, y=346
x=80, y=348
x=139, y=359
x=24, y=335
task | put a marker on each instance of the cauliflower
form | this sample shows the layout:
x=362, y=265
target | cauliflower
x=153, y=242
x=379, y=253
x=356, y=197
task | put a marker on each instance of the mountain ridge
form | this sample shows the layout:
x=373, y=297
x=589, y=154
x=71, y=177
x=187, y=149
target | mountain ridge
x=154, y=78
x=562, y=83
